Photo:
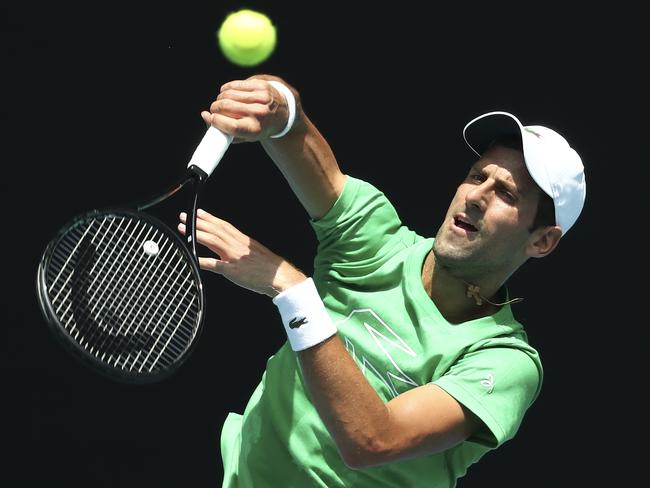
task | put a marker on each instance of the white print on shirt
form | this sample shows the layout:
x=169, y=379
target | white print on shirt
x=488, y=382
x=390, y=347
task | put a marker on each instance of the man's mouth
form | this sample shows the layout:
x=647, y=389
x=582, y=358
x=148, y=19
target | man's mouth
x=464, y=224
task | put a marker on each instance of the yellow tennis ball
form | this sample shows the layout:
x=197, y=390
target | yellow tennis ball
x=246, y=37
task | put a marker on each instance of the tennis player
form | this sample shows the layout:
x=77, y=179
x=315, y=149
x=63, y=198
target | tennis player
x=404, y=363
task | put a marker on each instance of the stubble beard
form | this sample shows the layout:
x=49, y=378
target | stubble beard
x=463, y=262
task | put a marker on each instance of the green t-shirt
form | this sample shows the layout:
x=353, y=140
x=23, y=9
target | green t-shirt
x=368, y=273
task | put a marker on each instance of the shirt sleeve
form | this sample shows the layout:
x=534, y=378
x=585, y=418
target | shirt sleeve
x=498, y=384
x=361, y=230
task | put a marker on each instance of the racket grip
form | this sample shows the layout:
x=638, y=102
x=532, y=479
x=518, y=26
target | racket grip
x=210, y=150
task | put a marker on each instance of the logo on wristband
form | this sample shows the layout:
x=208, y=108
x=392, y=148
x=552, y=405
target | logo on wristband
x=296, y=322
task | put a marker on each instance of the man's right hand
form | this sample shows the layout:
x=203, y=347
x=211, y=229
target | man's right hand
x=250, y=110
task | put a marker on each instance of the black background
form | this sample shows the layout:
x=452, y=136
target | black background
x=101, y=106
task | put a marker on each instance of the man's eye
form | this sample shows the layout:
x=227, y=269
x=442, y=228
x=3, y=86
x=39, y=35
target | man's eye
x=476, y=177
x=507, y=195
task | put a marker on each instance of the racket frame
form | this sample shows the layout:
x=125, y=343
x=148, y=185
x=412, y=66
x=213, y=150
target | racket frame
x=194, y=178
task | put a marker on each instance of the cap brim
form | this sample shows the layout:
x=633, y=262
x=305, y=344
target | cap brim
x=481, y=131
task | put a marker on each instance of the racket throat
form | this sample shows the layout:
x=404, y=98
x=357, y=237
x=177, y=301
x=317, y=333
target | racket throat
x=196, y=179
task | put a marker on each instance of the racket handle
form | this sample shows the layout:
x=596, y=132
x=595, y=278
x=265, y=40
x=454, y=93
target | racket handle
x=210, y=150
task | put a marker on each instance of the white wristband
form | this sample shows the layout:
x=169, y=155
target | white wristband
x=291, y=104
x=304, y=316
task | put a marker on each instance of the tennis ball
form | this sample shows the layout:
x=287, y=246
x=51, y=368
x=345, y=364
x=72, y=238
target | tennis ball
x=246, y=37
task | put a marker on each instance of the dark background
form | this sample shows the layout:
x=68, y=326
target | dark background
x=101, y=106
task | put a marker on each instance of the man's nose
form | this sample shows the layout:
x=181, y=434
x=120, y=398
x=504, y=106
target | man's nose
x=477, y=196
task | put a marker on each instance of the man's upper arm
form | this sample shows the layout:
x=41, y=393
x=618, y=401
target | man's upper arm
x=483, y=396
x=498, y=384
x=425, y=420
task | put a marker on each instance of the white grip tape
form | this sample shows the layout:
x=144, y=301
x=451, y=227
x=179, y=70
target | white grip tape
x=304, y=316
x=291, y=104
x=210, y=150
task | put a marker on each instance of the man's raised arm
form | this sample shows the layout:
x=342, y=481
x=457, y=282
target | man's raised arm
x=255, y=110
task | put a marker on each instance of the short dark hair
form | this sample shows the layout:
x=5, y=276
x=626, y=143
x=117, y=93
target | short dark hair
x=510, y=141
x=545, y=215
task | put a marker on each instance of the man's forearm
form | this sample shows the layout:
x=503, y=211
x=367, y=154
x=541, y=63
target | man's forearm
x=307, y=162
x=354, y=414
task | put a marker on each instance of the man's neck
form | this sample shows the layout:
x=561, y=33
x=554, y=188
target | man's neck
x=457, y=300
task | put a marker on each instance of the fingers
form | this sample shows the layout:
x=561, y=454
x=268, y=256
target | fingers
x=207, y=222
x=219, y=236
x=240, y=259
x=249, y=85
x=247, y=109
x=213, y=242
x=247, y=128
x=258, y=96
x=215, y=265
x=239, y=110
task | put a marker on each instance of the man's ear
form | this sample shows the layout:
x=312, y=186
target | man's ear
x=542, y=241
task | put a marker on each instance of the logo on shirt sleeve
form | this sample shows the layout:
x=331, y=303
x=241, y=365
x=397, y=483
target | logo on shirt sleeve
x=488, y=382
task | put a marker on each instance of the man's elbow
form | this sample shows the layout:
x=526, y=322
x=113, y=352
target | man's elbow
x=376, y=452
x=370, y=453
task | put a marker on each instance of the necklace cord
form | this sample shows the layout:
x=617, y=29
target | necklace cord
x=474, y=291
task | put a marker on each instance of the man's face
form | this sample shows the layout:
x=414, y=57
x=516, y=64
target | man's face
x=486, y=228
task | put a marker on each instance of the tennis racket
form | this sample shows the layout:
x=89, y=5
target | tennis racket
x=121, y=290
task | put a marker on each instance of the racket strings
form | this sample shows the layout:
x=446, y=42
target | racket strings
x=159, y=320
x=131, y=338
x=87, y=251
x=129, y=308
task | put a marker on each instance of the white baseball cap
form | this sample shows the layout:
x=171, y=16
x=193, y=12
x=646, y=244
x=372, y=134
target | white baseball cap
x=553, y=164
